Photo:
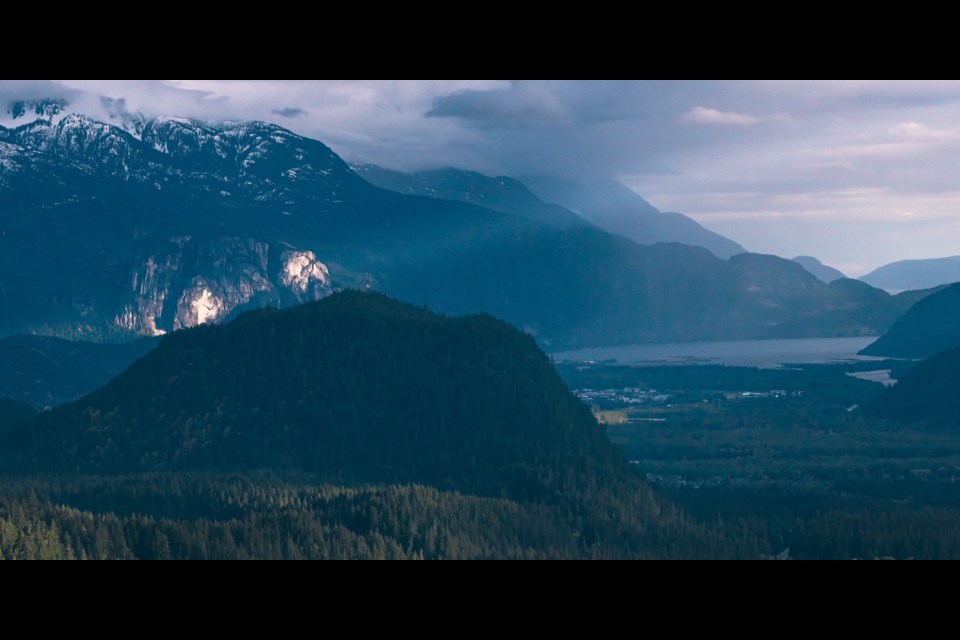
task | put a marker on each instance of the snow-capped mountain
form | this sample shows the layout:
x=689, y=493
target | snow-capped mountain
x=62, y=170
x=256, y=158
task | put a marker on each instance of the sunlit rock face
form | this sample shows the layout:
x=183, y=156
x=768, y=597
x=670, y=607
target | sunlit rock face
x=196, y=283
x=305, y=276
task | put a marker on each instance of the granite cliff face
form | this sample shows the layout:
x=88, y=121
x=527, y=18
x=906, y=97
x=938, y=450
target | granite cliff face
x=201, y=282
x=198, y=282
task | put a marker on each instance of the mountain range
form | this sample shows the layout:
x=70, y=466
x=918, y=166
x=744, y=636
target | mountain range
x=608, y=204
x=915, y=274
x=141, y=226
x=274, y=354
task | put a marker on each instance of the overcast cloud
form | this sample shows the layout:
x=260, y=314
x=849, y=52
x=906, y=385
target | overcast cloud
x=855, y=173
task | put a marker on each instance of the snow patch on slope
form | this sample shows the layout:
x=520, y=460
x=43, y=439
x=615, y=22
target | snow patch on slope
x=20, y=112
x=7, y=154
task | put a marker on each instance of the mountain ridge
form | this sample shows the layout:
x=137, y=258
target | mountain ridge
x=613, y=206
x=915, y=274
x=501, y=193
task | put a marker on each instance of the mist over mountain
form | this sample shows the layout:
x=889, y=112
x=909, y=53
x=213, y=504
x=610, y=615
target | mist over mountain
x=616, y=208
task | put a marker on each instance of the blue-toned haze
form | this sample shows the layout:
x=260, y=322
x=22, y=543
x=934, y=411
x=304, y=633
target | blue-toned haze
x=858, y=174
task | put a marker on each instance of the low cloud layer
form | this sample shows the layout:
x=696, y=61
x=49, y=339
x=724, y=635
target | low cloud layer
x=856, y=173
x=706, y=115
x=521, y=105
x=290, y=112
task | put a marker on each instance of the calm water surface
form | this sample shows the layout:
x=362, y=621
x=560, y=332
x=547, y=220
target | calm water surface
x=745, y=353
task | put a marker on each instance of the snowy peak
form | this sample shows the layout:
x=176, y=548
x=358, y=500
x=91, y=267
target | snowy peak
x=243, y=146
x=257, y=159
x=49, y=125
x=21, y=112
x=83, y=139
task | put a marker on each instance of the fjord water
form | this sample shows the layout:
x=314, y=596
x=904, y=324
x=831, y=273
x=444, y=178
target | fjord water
x=766, y=354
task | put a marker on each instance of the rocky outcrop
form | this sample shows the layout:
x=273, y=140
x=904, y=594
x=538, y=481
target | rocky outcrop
x=200, y=282
x=305, y=276
x=151, y=285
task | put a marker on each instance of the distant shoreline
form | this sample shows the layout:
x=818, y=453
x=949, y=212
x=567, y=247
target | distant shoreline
x=750, y=353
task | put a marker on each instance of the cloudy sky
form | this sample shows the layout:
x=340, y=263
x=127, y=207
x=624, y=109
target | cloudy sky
x=856, y=173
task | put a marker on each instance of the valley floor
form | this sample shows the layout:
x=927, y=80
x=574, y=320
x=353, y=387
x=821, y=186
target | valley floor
x=784, y=457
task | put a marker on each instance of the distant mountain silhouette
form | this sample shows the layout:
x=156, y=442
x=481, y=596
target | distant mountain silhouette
x=613, y=206
x=915, y=274
x=823, y=272
x=499, y=193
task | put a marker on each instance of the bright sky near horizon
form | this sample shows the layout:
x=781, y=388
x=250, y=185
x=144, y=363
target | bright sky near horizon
x=856, y=173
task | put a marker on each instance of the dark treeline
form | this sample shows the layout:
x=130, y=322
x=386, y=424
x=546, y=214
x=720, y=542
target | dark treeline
x=836, y=525
x=188, y=516
x=258, y=518
x=193, y=516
